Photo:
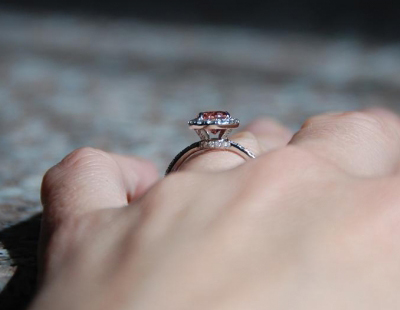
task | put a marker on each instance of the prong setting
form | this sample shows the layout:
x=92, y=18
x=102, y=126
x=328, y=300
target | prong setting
x=218, y=123
x=219, y=118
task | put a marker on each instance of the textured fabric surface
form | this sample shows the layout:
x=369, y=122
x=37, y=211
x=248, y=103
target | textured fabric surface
x=127, y=86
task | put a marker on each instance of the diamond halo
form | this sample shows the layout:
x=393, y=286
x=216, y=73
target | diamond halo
x=214, y=118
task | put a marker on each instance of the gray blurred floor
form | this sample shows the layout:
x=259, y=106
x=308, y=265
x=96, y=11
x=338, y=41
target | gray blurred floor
x=127, y=86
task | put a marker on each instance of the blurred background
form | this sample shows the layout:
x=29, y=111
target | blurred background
x=126, y=76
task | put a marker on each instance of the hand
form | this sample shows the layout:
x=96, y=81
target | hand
x=309, y=224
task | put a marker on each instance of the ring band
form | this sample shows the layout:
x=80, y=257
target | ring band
x=207, y=123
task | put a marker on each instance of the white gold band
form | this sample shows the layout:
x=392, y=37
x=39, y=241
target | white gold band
x=201, y=146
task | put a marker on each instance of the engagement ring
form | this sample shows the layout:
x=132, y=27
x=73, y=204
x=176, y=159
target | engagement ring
x=213, y=128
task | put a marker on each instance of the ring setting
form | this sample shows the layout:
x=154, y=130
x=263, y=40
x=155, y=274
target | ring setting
x=213, y=128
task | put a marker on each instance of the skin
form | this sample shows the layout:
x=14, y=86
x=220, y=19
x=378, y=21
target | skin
x=312, y=223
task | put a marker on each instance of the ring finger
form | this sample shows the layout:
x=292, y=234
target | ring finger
x=260, y=136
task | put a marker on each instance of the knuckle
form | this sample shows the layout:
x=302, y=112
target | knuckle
x=76, y=164
x=84, y=156
x=362, y=119
x=357, y=121
x=319, y=118
x=363, y=122
x=310, y=121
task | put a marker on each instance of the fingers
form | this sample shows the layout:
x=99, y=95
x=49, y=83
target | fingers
x=89, y=179
x=364, y=143
x=85, y=181
x=270, y=133
x=260, y=136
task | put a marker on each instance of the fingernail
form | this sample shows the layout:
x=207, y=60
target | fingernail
x=266, y=125
x=243, y=135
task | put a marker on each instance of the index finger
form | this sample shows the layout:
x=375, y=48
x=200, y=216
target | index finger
x=89, y=179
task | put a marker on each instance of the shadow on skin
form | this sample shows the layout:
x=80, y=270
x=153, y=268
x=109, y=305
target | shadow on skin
x=21, y=242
